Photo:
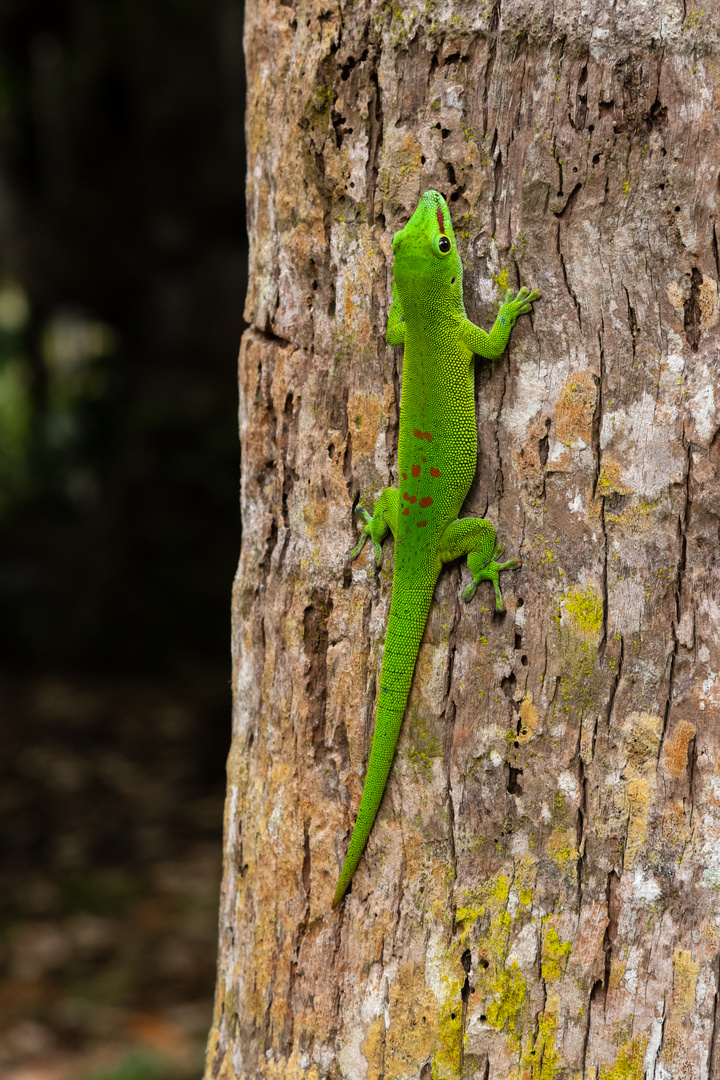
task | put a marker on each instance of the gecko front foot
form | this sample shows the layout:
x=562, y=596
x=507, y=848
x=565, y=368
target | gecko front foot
x=377, y=525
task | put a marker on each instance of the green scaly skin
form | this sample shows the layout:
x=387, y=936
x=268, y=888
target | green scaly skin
x=437, y=456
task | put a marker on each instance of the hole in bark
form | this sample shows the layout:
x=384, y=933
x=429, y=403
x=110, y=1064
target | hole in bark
x=508, y=686
x=422, y=160
x=466, y=960
x=520, y=601
x=596, y=159
x=444, y=132
x=663, y=151
x=306, y=862
x=524, y=661
x=591, y=127
x=677, y=209
x=661, y=186
x=483, y=1017
x=606, y=107
x=692, y=309
x=658, y=113
x=518, y=640
x=426, y=1071
x=512, y=784
x=485, y=964
x=574, y=168
x=543, y=450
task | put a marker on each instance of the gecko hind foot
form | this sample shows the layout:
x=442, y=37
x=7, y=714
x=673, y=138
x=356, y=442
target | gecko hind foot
x=490, y=572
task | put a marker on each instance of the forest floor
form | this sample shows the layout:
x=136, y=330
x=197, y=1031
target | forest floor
x=111, y=795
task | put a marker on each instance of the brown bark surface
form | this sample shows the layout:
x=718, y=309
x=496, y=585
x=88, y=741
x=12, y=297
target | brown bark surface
x=540, y=896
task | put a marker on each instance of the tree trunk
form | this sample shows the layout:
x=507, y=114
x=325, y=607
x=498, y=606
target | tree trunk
x=540, y=895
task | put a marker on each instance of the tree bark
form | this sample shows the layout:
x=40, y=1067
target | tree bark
x=540, y=896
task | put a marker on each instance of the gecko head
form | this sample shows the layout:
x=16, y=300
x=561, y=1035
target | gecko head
x=425, y=249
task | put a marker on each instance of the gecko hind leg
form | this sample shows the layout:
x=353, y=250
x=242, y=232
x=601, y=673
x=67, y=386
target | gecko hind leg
x=378, y=524
x=475, y=537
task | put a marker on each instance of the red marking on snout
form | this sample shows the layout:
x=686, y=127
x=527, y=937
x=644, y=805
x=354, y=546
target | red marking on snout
x=440, y=219
x=434, y=472
x=416, y=470
x=427, y=501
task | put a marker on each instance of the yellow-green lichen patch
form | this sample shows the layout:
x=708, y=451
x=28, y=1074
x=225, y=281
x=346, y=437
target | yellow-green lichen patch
x=524, y=880
x=561, y=848
x=685, y=977
x=629, y=1063
x=585, y=608
x=508, y=989
x=528, y=720
x=554, y=954
x=541, y=1061
x=609, y=480
x=446, y=1060
x=502, y=282
x=501, y=987
x=424, y=745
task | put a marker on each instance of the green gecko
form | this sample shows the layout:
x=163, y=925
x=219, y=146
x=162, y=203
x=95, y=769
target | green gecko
x=436, y=458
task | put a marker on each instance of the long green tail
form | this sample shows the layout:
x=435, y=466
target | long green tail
x=408, y=614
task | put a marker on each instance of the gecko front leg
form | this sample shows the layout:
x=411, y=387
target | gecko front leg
x=376, y=527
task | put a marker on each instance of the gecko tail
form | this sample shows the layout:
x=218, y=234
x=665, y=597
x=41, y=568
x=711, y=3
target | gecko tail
x=408, y=614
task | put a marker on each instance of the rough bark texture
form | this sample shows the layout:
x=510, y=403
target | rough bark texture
x=540, y=896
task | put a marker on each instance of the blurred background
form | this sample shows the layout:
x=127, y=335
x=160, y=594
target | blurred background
x=122, y=278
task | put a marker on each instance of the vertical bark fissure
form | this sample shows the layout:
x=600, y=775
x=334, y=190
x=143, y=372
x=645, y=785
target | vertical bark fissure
x=447, y=754
x=679, y=581
x=492, y=35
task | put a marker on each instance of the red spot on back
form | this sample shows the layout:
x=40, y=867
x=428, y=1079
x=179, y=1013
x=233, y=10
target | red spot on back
x=404, y=475
x=434, y=472
x=422, y=434
x=406, y=511
x=427, y=501
x=421, y=523
x=416, y=470
x=410, y=498
x=440, y=219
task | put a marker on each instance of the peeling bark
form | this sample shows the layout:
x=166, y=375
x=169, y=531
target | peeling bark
x=540, y=896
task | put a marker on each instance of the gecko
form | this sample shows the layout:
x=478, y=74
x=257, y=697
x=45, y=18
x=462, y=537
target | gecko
x=437, y=455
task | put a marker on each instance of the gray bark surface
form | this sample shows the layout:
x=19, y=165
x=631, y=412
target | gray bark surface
x=540, y=896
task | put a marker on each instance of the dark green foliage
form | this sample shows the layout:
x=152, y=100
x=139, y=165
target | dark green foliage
x=122, y=229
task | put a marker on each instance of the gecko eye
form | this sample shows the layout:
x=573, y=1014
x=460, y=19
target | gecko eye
x=444, y=245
